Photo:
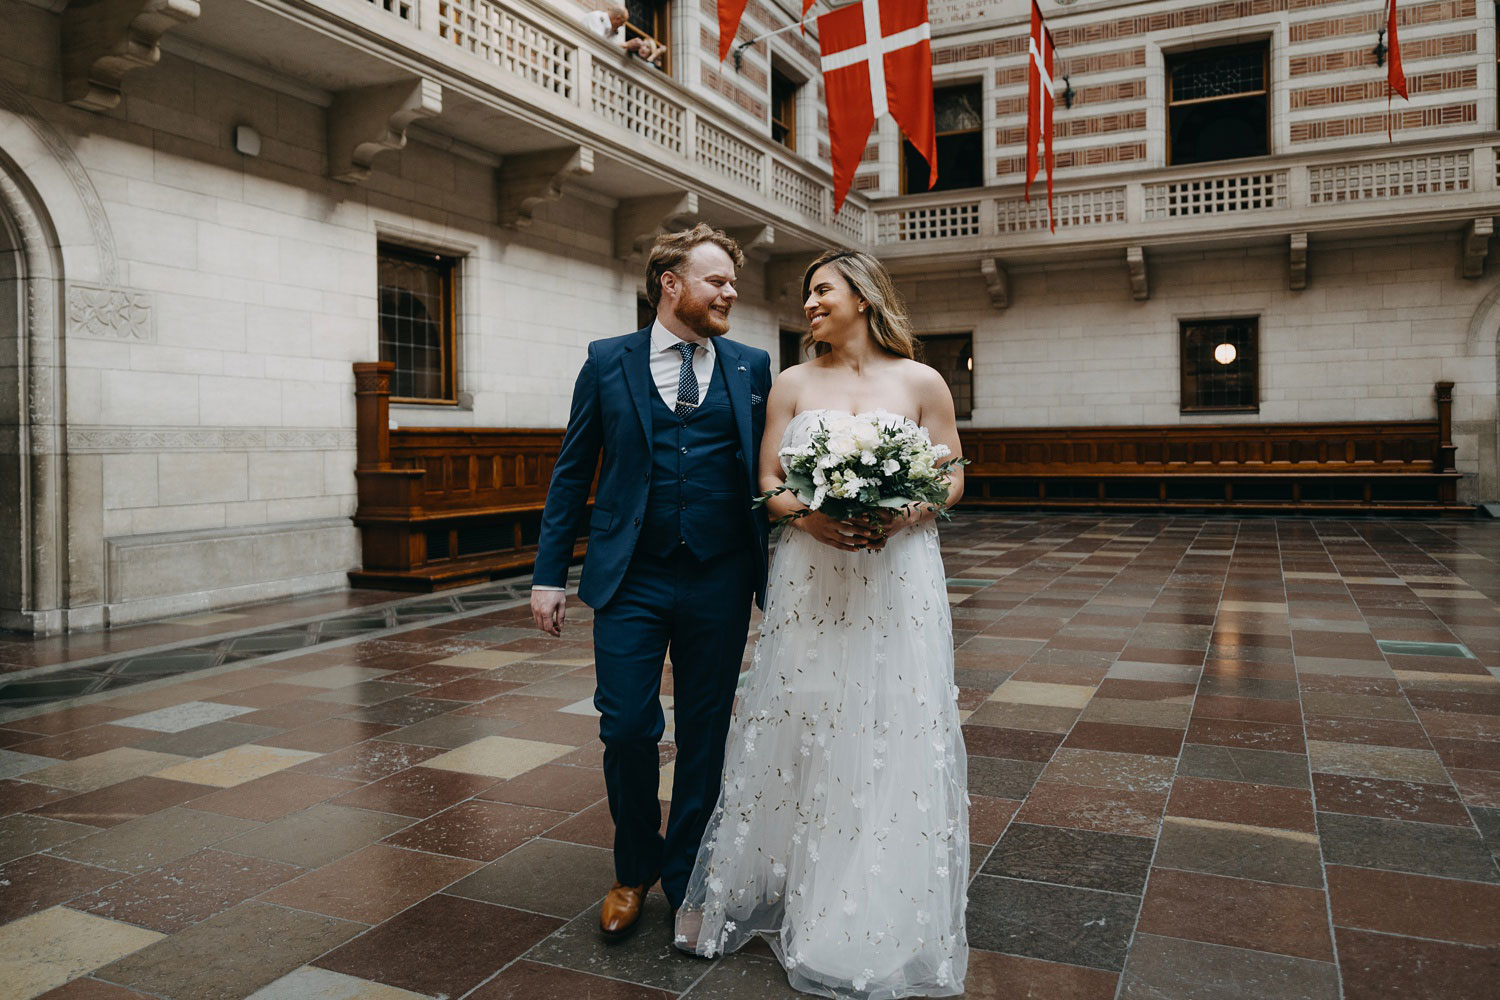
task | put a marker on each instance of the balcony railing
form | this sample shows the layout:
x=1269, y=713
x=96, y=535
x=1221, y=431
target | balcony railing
x=612, y=94
x=1276, y=192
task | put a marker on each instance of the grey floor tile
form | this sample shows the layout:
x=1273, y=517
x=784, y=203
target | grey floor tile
x=744, y=977
x=1261, y=767
x=1083, y=858
x=230, y=955
x=21, y=835
x=316, y=836
x=646, y=957
x=1396, y=845
x=1002, y=778
x=1281, y=856
x=1051, y=922
x=208, y=739
x=544, y=876
x=1163, y=968
x=154, y=840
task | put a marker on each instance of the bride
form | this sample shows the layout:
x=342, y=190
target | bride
x=841, y=830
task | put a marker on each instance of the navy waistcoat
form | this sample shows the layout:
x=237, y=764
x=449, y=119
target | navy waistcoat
x=698, y=496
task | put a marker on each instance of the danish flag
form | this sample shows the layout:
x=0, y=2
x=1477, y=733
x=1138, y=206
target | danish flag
x=1395, y=76
x=877, y=57
x=730, y=12
x=1039, y=104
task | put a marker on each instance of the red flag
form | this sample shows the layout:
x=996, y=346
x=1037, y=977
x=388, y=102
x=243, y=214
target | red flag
x=1039, y=104
x=877, y=57
x=730, y=12
x=1395, y=76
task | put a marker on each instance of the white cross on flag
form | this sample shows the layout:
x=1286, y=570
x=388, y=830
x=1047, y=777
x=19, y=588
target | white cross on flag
x=877, y=57
x=1039, y=104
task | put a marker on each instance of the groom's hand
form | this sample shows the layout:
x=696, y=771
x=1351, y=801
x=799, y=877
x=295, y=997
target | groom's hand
x=548, y=609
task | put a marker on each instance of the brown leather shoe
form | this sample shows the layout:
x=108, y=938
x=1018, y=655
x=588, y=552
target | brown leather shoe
x=622, y=909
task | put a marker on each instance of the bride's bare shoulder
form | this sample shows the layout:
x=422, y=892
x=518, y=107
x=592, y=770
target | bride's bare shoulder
x=918, y=375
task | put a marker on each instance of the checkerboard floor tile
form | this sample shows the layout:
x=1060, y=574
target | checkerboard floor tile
x=1207, y=757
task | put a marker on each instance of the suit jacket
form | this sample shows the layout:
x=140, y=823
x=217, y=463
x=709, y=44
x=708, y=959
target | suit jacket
x=611, y=420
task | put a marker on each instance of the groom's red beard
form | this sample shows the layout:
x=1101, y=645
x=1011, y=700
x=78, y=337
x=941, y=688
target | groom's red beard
x=699, y=316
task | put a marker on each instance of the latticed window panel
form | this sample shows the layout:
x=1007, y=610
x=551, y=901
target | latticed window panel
x=518, y=47
x=1072, y=209
x=406, y=10
x=1250, y=192
x=1225, y=72
x=851, y=221
x=937, y=222
x=792, y=188
x=631, y=106
x=1403, y=177
x=416, y=320
x=721, y=152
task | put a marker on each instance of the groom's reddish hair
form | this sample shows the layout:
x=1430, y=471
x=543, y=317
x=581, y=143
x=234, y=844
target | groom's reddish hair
x=671, y=249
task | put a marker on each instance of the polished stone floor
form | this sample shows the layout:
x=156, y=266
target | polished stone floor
x=1210, y=759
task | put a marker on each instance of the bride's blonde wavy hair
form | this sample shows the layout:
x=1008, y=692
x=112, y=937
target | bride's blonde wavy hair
x=890, y=326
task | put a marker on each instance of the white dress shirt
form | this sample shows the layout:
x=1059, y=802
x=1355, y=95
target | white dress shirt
x=666, y=372
x=666, y=363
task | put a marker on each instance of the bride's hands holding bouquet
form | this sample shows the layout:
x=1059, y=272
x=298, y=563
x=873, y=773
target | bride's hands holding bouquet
x=859, y=478
x=850, y=535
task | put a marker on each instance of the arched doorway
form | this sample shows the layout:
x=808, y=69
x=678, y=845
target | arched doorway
x=32, y=538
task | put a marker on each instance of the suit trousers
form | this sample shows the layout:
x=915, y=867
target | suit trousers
x=700, y=613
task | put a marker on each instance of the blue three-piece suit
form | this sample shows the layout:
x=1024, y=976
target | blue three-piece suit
x=675, y=554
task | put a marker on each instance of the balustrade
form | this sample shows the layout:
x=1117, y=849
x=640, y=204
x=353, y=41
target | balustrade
x=546, y=52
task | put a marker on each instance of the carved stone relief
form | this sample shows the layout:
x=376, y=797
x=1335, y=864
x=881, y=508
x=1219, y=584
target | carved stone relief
x=110, y=313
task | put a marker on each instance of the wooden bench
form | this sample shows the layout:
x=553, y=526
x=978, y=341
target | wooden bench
x=1374, y=467
x=444, y=507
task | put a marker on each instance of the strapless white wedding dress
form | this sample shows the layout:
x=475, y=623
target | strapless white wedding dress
x=841, y=830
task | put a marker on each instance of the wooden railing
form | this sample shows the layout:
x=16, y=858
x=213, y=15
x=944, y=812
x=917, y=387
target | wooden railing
x=1375, y=466
x=444, y=507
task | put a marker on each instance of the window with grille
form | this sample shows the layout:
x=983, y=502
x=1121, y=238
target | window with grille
x=791, y=349
x=960, y=143
x=783, y=108
x=651, y=19
x=1220, y=364
x=952, y=354
x=1217, y=102
x=417, y=295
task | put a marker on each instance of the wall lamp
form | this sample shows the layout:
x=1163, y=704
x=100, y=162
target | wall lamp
x=1380, y=49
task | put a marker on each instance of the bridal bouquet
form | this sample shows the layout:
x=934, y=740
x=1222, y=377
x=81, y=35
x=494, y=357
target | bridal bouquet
x=864, y=466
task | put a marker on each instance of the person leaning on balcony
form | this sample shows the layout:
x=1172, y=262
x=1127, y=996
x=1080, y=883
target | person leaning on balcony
x=609, y=24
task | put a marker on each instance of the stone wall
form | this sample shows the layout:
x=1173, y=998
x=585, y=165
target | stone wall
x=209, y=392
x=1379, y=323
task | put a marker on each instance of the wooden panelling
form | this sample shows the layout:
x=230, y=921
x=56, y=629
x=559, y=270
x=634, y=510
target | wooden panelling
x=445, y=506
x=1388, y=466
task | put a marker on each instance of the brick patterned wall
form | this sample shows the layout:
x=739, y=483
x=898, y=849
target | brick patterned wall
x=1347, y=103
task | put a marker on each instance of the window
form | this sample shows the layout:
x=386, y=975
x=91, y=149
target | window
x=783, y=109
x=952, y=354
x=1220, y=364
x=960, y=143
x=644, y=314
x=651, y=19
x=1216, y=104
x=417, y=321
x=791, y=349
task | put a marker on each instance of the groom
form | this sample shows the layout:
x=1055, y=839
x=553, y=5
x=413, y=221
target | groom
x=672, y=415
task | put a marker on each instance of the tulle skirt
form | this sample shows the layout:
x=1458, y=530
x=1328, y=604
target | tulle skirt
x=841, y=830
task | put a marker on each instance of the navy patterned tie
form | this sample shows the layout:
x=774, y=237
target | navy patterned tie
x=687, y=382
